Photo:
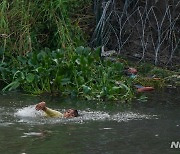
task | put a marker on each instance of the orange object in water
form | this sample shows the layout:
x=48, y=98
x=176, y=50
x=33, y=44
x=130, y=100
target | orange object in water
x=156, y=78
x=144, y=89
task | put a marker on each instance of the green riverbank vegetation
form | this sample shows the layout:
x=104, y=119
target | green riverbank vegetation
x=26, y=26
x=78, y=73
x=43, y=50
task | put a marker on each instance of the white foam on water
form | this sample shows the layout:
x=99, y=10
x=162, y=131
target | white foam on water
x=126, y=116
x=1, y=109
x=31, y=116
x=6, y=124
x=29, y=111
x=32, y=134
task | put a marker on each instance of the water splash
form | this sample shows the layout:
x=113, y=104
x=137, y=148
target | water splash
x=28, y=112
x=126, y=116
x=31, y=116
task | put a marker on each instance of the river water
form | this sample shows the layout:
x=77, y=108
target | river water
x=107, y=128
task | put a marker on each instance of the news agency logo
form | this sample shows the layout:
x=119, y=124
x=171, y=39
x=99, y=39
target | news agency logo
x=175, y=145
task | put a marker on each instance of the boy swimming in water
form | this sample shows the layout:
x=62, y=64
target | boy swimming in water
x=56, y=114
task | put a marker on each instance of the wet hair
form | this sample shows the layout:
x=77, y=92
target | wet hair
x=75, y=113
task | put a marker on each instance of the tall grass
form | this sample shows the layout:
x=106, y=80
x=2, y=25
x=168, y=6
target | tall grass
x=31, y=25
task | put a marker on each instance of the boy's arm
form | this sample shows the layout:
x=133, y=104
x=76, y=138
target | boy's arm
x=49, y=112
x=52, y=113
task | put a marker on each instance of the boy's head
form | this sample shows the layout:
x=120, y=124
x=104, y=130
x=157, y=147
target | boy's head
x=70, y=113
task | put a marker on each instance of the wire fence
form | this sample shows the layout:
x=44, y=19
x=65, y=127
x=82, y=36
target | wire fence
x=146, y=29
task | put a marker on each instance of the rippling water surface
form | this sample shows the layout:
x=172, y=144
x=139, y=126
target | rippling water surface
x=101, y=127
x=30, y=115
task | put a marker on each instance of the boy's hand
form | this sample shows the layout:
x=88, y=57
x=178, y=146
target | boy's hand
x=41, y=106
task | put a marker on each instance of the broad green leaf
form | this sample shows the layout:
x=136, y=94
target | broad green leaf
x=19, y=75
x=30, y=77
x=11, y=86
x=79, y=50
x=86, y=89
x=22, y=59
x=41, y=55
x=81, y=79
x=115, y=88
x=65, y=81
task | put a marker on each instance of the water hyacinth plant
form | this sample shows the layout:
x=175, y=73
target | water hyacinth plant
x=81, y=73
